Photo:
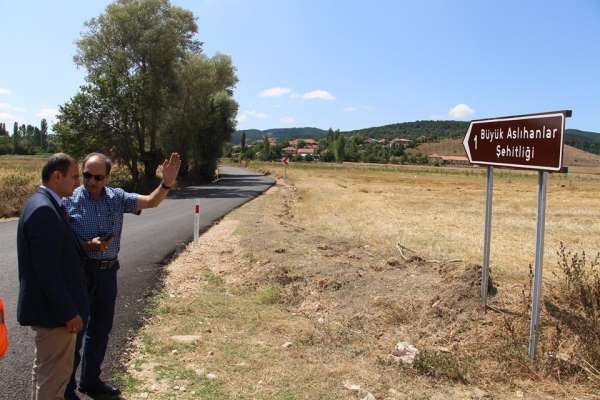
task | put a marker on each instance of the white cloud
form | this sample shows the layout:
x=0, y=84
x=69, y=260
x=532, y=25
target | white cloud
x=287, y=120
x=318, y=94
x=350, y=109
x=48, y=113
x=5, y=91
x=242, y=118
x=274, y=92
x=294, y=95
x=19, y=109
x=460, y=111
x=4, y=106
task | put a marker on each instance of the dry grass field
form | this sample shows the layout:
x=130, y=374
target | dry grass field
x=439, y=212
x=302, y=293
x=19, y=177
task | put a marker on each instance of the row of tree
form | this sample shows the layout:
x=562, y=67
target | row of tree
x=26, y=139
x=338, y=147
x=149, y=91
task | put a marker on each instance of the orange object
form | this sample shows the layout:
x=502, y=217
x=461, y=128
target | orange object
x=3, y=331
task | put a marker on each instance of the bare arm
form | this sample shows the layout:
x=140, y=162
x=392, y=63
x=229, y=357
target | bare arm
x=170, y=171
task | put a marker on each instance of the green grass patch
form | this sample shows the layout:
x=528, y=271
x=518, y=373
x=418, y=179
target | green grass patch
x=126, y=382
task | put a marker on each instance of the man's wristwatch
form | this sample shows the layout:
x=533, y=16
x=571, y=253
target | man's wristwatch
x=165, y=186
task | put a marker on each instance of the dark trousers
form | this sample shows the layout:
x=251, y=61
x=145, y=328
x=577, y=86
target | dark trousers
x=102, y=295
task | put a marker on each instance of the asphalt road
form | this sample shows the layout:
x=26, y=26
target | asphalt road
x=147, y=241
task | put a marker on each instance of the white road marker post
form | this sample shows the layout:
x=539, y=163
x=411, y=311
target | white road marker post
x=196, y=222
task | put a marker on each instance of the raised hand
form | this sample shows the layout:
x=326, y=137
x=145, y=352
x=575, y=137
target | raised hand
x=170, y=169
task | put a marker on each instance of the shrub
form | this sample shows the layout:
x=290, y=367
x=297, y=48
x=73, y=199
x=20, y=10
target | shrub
x=438, y=364
x=580, y=289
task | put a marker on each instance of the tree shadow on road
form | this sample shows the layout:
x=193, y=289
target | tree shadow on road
x=228, y=186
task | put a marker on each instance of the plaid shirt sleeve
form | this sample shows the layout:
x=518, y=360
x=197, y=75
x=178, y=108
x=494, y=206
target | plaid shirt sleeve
x=129, y=201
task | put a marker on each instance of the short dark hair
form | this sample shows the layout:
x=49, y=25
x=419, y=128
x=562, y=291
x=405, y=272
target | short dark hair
x=57, y=162
x=101, y=156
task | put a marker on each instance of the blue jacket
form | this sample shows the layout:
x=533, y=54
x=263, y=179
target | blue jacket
x=52, y=288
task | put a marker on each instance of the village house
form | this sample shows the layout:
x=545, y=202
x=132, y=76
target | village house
x=311, y=147
x=290, y=150
x=308, y=143
x=303, y=152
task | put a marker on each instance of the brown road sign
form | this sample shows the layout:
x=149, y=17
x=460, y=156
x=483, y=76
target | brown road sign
x=533, y=141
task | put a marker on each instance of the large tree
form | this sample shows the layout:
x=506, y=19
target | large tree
x=149, y=90
x=201, y=112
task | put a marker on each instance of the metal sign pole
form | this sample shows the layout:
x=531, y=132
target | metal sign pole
x=487, y=236
x=539, y=260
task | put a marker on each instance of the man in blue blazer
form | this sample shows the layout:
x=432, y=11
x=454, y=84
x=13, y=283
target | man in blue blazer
x=52, y=290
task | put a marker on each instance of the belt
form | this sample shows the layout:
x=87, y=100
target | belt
x=102, y=264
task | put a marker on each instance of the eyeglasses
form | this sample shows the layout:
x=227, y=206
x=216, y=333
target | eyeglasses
x=87, y=175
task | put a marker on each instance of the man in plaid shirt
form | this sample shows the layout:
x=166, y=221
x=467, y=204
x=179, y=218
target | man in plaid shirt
x=96, y=215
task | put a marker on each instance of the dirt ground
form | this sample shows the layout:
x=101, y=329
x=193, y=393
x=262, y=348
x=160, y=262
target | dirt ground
x=268, y=306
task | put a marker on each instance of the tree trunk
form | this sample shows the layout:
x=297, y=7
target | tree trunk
x=150, y=159
x=135, y=173
x=184, y=171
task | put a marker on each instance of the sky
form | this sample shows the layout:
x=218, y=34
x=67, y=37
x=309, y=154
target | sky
x=342, y=64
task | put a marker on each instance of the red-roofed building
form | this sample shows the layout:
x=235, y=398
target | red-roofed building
x=311, y=151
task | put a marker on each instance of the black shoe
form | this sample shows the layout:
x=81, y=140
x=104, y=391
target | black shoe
x=102, y=388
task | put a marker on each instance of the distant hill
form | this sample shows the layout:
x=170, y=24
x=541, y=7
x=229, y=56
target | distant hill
x=587, y=141
x=425, y=130
x=253, y=135
x=421, y=131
